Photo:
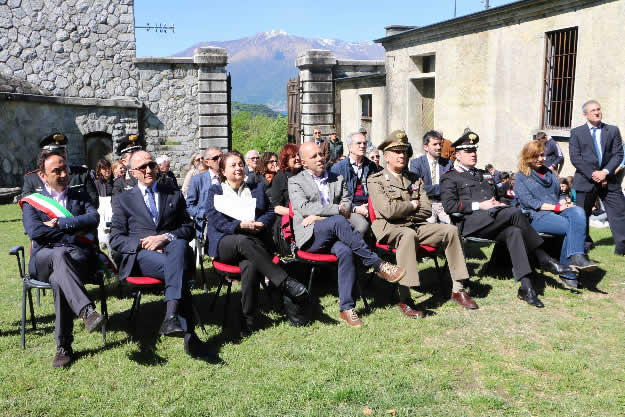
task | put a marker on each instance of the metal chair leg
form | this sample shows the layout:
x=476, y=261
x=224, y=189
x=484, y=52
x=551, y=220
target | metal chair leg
x=211, y=307
x=23, y=327
x=310, y=279
x=39, y=297
x=438, y=269
x=223, y=323
x=32, y=310
x=362, y=295
x=135, y=310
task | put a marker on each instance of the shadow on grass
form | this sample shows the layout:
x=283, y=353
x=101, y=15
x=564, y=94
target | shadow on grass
x=11, y=220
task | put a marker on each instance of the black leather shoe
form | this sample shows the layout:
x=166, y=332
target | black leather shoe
x=199, y=350
x=92, y=319
x=580, y=262
x=293, y=288
x=555, y=267
x=530, y=297
x=171, y=327
x=64, y=356
x=569, y=280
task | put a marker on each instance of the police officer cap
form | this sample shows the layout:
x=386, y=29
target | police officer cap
x=53, y=142
x=129, y=144
x=396, y=140
x=467, y=141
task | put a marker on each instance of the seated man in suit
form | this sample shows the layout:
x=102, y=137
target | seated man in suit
x=403, y=210
x=54, y=219
x=465, y=190
x=321, y=207
x=151, y=231
x=197, y=193
x=429, y=167
x=355, y=169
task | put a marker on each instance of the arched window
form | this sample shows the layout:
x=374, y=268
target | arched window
x=98, y=145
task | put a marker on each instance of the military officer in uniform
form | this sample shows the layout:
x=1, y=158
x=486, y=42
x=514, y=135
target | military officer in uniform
x=402, y=208
x=79, y=178
x=126, y=148
x=471, y=192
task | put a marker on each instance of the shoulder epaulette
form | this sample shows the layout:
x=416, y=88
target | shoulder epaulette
x=32, y=172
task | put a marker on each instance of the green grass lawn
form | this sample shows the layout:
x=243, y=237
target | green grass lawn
x=505, y=359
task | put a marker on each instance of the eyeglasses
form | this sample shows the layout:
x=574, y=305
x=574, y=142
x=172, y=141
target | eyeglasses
x=272, y=161
x=214, y=158
x=254, y=158
x=152, y=165
x=316, y=133
x=198, y=160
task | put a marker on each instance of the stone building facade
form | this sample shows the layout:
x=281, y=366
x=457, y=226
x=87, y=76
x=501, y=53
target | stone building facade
x=70, y=66
x=505, y=72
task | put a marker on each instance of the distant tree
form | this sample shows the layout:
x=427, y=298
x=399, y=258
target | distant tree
x=259, y=132
x=253, y=109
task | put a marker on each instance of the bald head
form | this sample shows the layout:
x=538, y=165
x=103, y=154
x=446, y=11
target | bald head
x=312, y=158
x=139, y=155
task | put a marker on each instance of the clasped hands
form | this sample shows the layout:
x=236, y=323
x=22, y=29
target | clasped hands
x=251, y=226
x=600, y=177
x=155, y=243
x=343, y=211
x=488, y=204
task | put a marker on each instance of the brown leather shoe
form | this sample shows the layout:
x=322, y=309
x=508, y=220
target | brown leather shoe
x=350, y=317
x=409, y=312
x=390, y=272
x=462, y=298
x=63, y=357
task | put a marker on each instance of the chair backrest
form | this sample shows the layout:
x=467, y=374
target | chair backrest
x=371, y=211
x=18, y=252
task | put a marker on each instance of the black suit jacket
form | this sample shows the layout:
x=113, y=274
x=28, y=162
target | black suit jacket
x=585, y=160
x=421, y=167
x=132, y=222
x=85, y=218
x=459, y=190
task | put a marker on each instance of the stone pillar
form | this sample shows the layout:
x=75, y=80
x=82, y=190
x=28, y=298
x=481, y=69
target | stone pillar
x=212, y=96
x=317, y=101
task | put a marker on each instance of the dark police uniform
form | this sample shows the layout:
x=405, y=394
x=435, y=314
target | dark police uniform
x=461, y=187
x=79, y=177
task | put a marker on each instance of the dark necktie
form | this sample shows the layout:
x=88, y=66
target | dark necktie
x=152, y=204
x=594, y=141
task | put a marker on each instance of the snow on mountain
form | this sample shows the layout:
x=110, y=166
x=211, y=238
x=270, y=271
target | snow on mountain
x=262, y=63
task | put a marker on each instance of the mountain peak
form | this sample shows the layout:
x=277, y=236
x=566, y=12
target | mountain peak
x=272, y=34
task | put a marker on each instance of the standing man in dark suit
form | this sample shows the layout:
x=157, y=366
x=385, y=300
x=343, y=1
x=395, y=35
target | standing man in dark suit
x=151, y=230
x=321, y=209
x=430, y=167
x=465, y=190
x=596, y=151
x=53, y=219
x=125, y=149
x=78, y=176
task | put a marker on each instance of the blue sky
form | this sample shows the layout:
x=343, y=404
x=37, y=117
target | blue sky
x=349, y=20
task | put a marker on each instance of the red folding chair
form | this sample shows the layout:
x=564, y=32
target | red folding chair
x=320, y=260
x=229, y=273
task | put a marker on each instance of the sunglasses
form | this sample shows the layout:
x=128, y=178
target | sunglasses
x=152, y=165
x=272, y=161
x=214, y=158
x=254, y=158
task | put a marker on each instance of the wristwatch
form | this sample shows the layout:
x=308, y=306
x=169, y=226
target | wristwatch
x=169, y=237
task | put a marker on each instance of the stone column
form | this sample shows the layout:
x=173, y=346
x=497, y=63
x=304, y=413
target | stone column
x=317, y=101
x=212, y=96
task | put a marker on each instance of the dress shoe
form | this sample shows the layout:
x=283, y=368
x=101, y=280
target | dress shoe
x=199, y=350
x=569, y=280
x=390, y=272
x=409, y=312
x=461, y=297
x=350, y=317
x=171, y=327
x=293, y=288
x=64, y=356
x=92, y=319
x=555, y=267
x=530, y=297
x=580, y=262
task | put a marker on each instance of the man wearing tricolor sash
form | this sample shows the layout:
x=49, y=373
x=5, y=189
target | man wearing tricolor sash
x=57, y=220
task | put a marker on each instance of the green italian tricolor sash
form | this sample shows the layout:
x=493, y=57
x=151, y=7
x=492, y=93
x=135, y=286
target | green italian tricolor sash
x=54, y=210
x=46, y=204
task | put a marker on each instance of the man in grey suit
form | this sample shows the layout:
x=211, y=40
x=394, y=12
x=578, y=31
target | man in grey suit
x=321, y=209
x=596, y=151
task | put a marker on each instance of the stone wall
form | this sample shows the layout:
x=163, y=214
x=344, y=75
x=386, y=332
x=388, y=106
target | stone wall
x=72, y=48
x=25, y=117
x=168, y=89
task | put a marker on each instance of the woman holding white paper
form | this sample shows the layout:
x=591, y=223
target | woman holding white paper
x=235, y=240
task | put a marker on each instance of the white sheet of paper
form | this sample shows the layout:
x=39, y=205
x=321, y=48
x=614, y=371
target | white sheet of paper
x=238, y=208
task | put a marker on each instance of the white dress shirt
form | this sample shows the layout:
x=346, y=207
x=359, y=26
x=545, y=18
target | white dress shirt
x=60, y=198
x=434, y=174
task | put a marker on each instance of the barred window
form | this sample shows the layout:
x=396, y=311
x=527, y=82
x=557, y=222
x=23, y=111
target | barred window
x=365, y=100
x=559, y=79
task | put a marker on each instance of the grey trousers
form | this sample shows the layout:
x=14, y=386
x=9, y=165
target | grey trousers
x=63, y=267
